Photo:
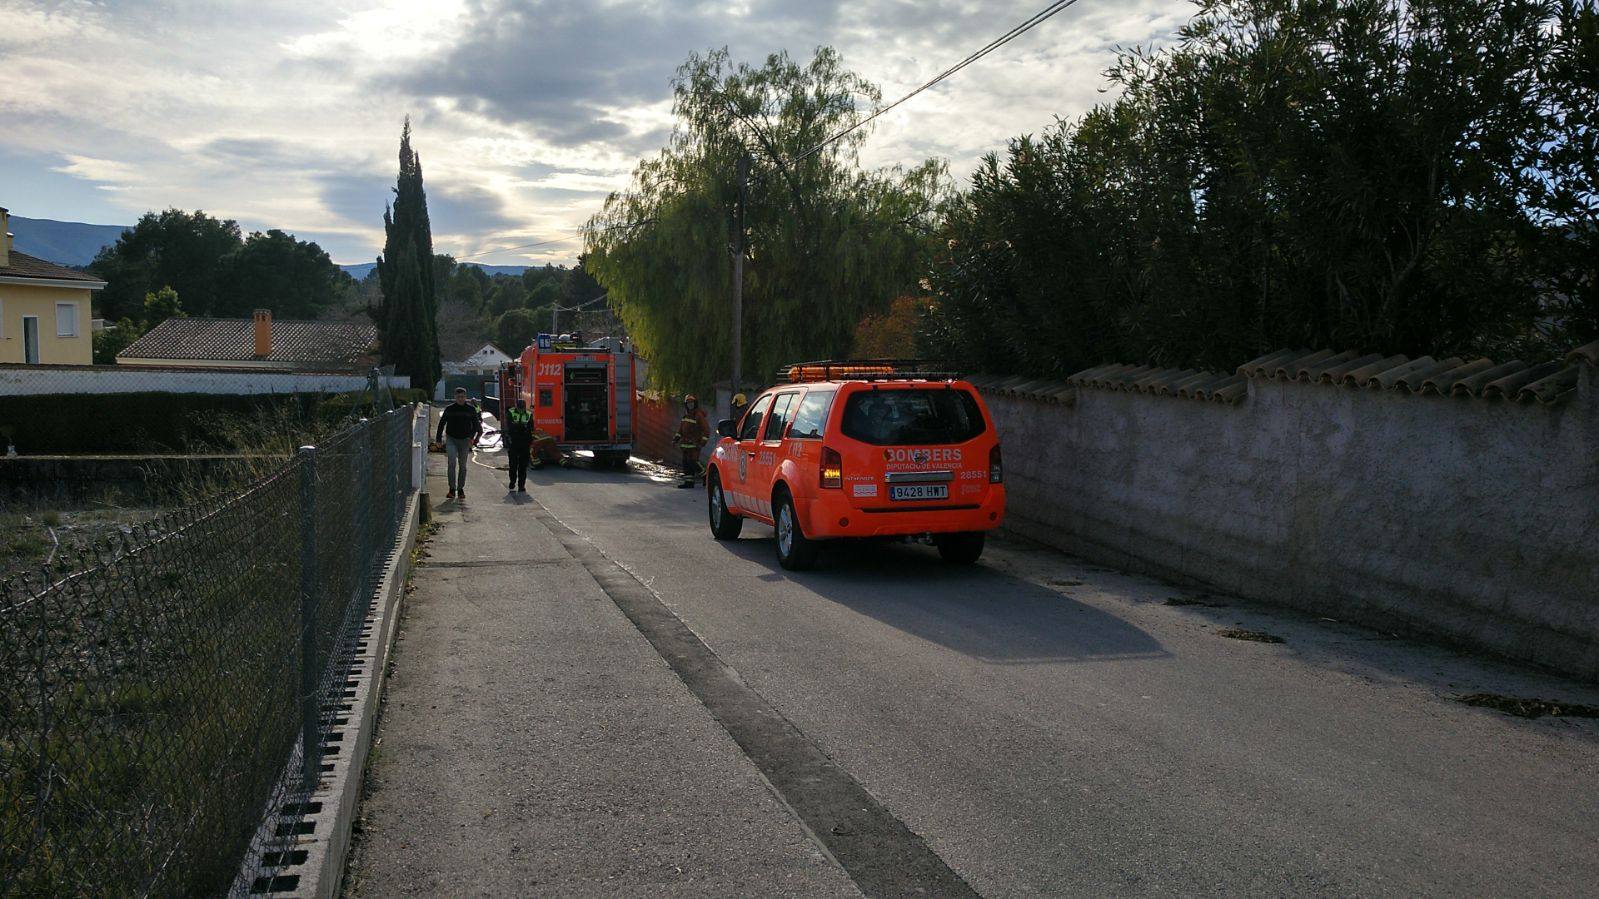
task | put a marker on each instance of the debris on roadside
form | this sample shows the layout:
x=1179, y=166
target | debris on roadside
x=1202, y=599
x=1528, y=708
x=1238, y=633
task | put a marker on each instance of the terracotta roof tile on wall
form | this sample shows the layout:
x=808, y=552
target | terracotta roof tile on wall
x=232, y=339
x=1455, y=376
x=1588, y=353
x=1187, y=383
x=1483, y=378
x=1044, y=391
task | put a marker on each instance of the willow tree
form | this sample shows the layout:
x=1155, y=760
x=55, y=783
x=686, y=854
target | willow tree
x=826, y=241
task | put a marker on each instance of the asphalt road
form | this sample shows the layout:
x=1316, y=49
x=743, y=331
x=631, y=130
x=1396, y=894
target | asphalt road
x=1046, y=726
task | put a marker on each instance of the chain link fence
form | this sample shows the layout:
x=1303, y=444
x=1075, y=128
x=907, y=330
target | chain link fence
x=163, y=692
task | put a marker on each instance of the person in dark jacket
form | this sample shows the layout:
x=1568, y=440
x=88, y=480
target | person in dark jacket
x=461, y=424
x=692, y=434
x=518, y=433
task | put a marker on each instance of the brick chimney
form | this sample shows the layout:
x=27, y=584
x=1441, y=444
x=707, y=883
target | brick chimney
x=5, y=237
x=263, y=333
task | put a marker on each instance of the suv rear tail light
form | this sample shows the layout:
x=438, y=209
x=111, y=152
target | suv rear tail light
x=832, y=468
x=996, y=472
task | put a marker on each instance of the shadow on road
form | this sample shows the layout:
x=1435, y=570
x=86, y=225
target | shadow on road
x=977, y=611
x=974, y=610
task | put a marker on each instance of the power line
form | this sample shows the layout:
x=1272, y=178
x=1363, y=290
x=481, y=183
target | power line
x=1026, y=25
x=1037, y=19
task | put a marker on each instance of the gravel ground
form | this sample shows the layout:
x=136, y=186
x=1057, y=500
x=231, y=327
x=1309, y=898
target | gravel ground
x=32, y=539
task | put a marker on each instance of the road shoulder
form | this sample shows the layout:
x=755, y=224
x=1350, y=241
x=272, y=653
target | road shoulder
x=534, y=742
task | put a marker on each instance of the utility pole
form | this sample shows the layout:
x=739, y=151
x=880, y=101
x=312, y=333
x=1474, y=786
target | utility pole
x=743, y=176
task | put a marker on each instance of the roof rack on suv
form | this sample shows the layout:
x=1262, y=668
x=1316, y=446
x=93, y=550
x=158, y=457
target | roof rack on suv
x=865, y=370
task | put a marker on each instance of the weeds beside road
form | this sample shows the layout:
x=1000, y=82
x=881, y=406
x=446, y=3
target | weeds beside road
x=150, y=681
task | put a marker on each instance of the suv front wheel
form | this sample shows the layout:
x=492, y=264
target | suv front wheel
x=795, y=551
x=724, y=524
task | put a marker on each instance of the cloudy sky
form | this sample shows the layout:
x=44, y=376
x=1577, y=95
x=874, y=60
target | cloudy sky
x=526, y=112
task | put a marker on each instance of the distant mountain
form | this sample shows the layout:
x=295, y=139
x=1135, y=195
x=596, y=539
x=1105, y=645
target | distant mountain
x=359, y=270
x=64, y=243
x=76, y=243
x=501, y=269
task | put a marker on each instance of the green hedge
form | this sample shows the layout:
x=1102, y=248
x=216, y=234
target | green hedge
x=164, y=422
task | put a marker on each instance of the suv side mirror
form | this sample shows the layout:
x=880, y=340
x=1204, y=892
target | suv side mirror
x=727, y=428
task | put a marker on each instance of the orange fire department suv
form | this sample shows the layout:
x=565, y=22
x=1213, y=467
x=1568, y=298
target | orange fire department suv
x=860, y=449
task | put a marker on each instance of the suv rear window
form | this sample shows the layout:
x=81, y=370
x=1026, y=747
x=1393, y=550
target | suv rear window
x=812, y=415
x=901, y=417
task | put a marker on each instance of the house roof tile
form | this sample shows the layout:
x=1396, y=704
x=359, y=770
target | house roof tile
x=21, y=265
x=233, y=339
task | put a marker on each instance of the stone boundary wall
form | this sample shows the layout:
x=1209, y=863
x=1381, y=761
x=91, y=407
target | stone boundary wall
x=1461, y=514
x=48, y=380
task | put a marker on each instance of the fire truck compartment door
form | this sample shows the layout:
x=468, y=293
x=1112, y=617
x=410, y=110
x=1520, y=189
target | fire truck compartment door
x=587, y=406
x=624, y=395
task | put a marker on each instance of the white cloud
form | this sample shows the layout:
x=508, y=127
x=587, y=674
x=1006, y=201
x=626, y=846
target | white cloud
x=525, y=111
x=118, y=174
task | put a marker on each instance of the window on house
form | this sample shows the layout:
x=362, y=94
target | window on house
x=30, y=339
x=66, y=319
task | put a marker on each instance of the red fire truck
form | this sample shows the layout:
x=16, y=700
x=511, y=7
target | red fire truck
x=581, y=396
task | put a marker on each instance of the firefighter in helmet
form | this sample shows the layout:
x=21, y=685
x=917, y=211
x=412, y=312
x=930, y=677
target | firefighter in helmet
x=693, y=432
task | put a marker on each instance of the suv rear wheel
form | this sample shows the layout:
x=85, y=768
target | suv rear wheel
x=960, y=549
x=795, y=551
x=724, y=524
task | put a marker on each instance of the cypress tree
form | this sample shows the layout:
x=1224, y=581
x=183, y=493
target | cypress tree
x=407, y=231
x=409, y=340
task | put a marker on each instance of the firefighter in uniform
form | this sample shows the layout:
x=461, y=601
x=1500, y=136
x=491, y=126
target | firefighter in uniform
x=693, y=432
x=545, y=450
x=518, y=443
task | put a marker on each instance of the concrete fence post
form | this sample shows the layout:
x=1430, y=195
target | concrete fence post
x=310, y=588
x=419, y=446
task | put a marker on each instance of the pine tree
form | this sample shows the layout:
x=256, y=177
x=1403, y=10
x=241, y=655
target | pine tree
x=407, y=231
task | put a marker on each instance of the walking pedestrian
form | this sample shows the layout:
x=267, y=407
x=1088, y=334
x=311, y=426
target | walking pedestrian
x=460, y=425
x=692, y=433
x=737, y=408
x=518, y=435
